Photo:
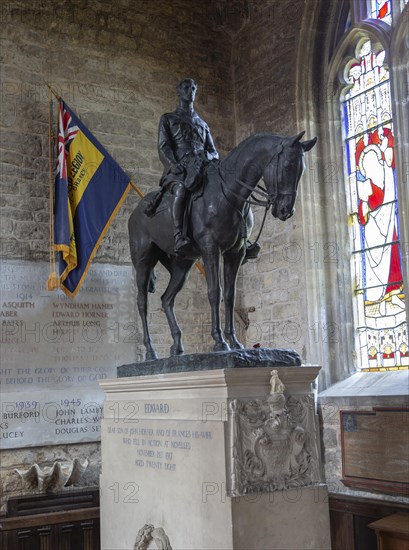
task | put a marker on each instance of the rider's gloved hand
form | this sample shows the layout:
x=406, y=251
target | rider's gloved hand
x=176, y=169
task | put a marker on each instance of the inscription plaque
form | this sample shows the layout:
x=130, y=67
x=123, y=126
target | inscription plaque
x=160, y=445
x=54, y=350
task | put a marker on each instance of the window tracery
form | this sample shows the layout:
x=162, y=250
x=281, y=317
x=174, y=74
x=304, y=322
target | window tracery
x=372, y=196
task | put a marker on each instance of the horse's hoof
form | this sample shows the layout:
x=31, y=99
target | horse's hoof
x=221, y=346
x=176, y=351
x=151, y=355
x=236, y=345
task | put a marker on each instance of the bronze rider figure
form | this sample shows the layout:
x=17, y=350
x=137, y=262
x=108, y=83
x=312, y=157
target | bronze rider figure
x=185, y=146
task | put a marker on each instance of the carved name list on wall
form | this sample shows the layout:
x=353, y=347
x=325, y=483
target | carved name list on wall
x=54, y=350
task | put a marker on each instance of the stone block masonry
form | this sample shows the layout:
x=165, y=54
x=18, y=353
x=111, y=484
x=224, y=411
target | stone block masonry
x=117, y=68
x=264, y=82
x=117, y=65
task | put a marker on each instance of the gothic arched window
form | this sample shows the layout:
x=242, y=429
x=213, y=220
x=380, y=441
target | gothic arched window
x=382, y=10
x=372, y=182
x=352, y=91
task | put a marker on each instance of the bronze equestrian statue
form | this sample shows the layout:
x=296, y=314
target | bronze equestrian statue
x=220, y=218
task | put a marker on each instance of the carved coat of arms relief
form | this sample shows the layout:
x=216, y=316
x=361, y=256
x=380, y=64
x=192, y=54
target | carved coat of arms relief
x=272, y=442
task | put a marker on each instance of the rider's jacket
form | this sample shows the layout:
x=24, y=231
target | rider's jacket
x=184, y=139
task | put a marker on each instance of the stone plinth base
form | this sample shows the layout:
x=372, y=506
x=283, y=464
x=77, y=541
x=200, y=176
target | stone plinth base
x=233, y=359
x=219, y=459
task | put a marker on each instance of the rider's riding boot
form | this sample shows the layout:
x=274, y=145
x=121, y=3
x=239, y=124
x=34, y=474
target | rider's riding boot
x=182, y=244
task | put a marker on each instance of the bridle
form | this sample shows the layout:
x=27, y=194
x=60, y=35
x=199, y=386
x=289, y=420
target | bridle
x=270, y=198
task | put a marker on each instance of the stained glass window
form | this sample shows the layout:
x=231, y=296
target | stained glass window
x=380, y=318
x=382, y=10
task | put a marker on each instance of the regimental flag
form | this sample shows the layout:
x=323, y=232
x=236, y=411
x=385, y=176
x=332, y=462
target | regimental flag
x=89, y=190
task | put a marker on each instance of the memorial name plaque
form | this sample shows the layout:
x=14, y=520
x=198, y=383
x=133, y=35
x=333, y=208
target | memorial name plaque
x=54, y=350
x=67, y=416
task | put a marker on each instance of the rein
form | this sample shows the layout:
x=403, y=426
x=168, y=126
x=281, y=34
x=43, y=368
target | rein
x=261, y=191
x=271, y=198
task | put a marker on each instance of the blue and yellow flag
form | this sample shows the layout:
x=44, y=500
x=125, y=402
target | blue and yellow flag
x=89, y=190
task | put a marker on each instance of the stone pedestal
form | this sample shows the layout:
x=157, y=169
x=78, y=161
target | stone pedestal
x=213, y=459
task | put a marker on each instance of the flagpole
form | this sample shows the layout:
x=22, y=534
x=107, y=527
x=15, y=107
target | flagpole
x=53, y=281
x=53, y=91
x=136, y=189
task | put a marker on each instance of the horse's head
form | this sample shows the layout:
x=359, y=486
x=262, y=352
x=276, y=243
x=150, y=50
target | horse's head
x=283, y=173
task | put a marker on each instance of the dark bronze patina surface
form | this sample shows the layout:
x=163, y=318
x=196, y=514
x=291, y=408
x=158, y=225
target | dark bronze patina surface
x=217, y=196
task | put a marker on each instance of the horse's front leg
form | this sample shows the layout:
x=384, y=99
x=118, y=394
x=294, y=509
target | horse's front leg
x=178, y=269
x=211, y=260
x=232, y=262
x=143, y=274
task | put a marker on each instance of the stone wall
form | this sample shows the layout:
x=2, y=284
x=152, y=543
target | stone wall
x=271, y=298
x=117, y=65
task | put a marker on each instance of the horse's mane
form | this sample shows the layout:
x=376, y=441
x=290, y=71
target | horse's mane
x=249, y=140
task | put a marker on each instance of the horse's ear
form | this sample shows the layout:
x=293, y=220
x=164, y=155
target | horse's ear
x=293, y=140
x=307, y=145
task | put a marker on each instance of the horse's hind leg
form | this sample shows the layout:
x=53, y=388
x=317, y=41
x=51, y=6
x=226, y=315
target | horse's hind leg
x=211, y=259
x=232, y=263
x=143, y=277
x=178, y=269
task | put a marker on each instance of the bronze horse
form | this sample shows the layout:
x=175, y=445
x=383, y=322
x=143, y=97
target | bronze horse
x=219, y=223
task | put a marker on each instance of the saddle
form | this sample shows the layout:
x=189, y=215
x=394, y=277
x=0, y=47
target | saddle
x=162, y=200
x=195, y=182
